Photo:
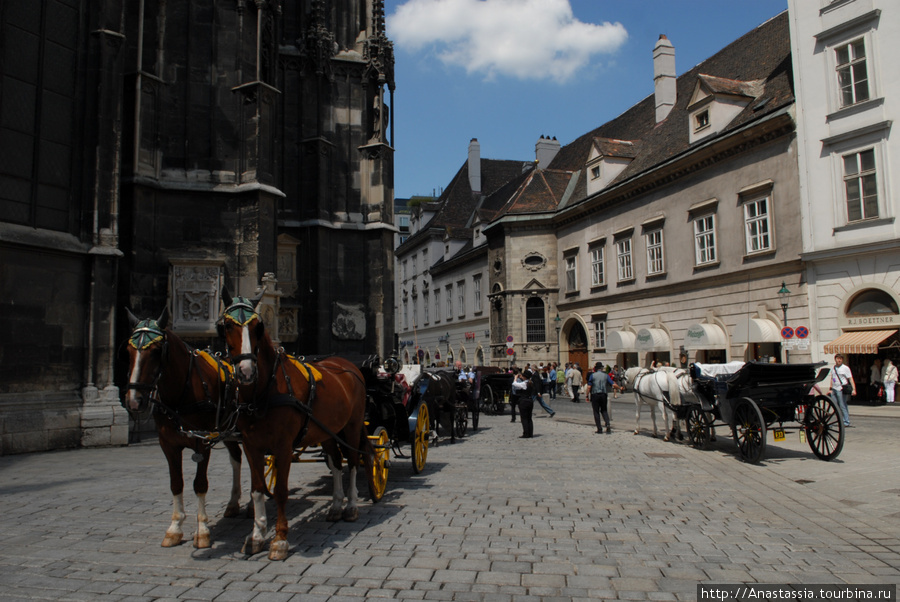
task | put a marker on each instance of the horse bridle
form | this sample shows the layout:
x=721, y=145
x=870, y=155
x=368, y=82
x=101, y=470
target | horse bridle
x=241, y=312
x=145, y=334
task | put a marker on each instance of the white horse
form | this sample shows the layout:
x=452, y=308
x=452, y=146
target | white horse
x=653, y=388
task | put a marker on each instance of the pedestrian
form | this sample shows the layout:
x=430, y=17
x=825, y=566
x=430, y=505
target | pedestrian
x=551, y=378
x=577, y=379
x=875, y=379
x=842, y=386
x=560, y=381
x=596, y=389
x=618, y=377
x=569, y=368
x=514, y=394
x=522, y=385
x=537, y=388
x=889, y=378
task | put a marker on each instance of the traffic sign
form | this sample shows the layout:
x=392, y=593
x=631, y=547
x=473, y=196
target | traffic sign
x=510, y=351
x=787, y=332
x=509, y=338
x=802, y=332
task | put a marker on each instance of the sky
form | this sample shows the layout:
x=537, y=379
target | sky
x=510, y=71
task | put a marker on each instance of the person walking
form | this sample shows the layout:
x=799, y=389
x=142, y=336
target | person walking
x=514, y=395
x=889, y=378
x=842, y=386
x=537, y=388
x=569, y=368
x=551, y=378
x=577, y=379
x=522, y=385
x=598, y=384
x=560, y=381
x=875, y=380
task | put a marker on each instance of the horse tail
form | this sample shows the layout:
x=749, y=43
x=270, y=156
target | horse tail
x=674, y=388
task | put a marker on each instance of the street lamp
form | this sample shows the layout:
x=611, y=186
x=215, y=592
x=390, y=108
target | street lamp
x=783, y=296
x=557, y=320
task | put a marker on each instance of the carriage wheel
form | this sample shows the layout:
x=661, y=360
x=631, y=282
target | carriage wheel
x=824, y=428
x=420, y=439
x=749, y=430
x=699, y=427
x=381, y=459
x=461, y=419
x=488, y=399
x=269, y=475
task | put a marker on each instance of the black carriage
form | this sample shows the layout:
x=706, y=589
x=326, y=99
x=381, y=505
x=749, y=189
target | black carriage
x=760, y=396
x=397, y=413
x=451, y=401
x=495, y=386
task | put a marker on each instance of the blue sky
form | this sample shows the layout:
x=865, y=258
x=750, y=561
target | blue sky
x=509, y=71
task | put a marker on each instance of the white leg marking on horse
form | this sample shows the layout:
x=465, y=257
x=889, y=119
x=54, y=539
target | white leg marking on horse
x=351, y=513
x=174, y=532
x=202, y=538
x=260, y=524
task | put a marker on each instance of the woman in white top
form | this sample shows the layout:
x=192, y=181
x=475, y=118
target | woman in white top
x=889, y=377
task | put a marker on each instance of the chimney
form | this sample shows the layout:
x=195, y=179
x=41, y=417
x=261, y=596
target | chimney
x=664, y=77
x=545, y=150
x=475, y=165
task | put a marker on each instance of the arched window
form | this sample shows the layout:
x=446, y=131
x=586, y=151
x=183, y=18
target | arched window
x=872, y=302
x=479, y=356
x=535, y=324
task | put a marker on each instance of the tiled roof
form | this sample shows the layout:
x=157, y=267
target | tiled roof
x=608, y=147
x=763, y=54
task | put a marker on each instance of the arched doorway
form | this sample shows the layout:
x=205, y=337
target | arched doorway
x=577, y=343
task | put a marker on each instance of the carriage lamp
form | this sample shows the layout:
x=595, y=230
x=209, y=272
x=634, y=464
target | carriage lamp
x=783, y=296
x=557, y=320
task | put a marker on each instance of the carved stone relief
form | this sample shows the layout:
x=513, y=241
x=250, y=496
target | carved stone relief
x=195, y=296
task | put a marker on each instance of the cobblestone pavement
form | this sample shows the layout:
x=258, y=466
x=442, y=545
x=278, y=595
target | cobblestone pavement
x=567, y=515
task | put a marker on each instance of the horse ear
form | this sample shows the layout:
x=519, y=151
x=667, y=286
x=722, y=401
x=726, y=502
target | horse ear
x=132, y=319
x=260, y=329
x=226, y=295
x=163, y=320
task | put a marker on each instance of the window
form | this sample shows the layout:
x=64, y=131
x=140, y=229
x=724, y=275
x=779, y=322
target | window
x=476, y=291
x=705, y=239
x=425, y=302
x=571, y=281
x=599, y=328
x=437, y=305
x=449, y=302
x=598, y=277
x=623, y=252
x=405, y=315
x=535, y=329
x=415, y=312
x=461, y=297
x=861, y=185
x=757, y=226
x=701, y=120
x=852, y=74
x=655, y=261
x=595, y=172
x=415, y=266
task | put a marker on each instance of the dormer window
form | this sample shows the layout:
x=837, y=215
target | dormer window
x=609, y=157
x=595, y=172
x=701, y=120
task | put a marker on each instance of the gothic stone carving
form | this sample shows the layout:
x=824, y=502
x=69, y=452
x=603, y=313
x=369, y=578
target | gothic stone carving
x=348, y=321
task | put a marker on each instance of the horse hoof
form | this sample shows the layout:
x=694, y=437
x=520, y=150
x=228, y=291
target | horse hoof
x=278, y=550
x=201, y=542
x=333, y=516
x=252, y=546
x=636, y=433
x=351, y=515
x=172, y=539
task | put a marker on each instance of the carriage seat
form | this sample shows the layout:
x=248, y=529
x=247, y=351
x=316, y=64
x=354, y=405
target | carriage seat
x=720, y=372
x=710, y=381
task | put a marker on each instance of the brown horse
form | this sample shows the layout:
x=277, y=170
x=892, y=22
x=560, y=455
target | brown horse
x=187, y=391
x=285, y=404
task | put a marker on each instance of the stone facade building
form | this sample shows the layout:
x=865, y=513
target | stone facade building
x=156, y=150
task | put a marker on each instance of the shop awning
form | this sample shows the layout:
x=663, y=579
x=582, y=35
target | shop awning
x=653, y=339
x=705, y=336
x=620, y=341
x=861, y=341
x=756, y=330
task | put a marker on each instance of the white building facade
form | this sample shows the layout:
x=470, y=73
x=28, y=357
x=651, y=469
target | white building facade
x=848, y=96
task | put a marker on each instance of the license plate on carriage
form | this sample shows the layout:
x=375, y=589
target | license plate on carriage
x=779, y=434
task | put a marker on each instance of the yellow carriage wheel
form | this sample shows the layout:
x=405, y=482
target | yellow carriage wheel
x=381, y=461
x=270, y=473
x=420, y=439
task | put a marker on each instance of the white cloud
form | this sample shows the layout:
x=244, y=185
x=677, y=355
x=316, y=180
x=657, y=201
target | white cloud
x=524, y=39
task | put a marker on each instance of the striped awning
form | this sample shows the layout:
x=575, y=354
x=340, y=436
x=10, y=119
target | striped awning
x=861, y=341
